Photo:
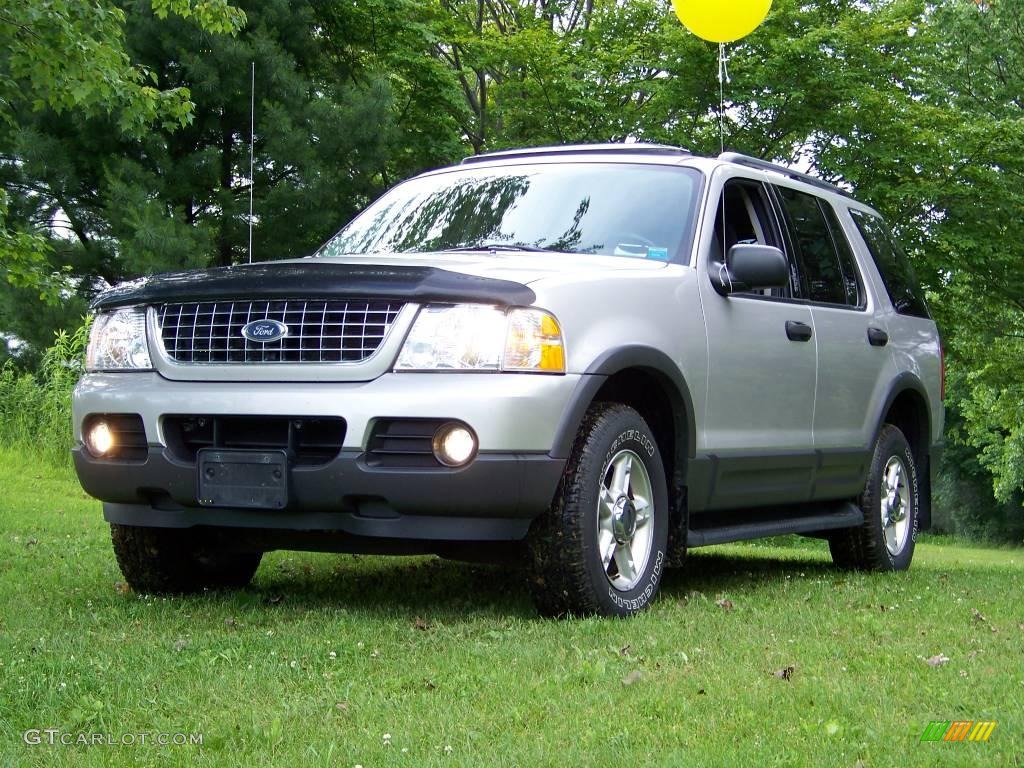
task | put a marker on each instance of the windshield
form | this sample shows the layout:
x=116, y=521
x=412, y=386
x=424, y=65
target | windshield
x=595, y=208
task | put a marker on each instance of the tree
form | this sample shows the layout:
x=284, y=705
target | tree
x=977, y=78
x=63, y=55
x=812, y=78
x=124, y=139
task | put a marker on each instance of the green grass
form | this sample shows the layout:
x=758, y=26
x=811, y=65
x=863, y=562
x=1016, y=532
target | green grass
x=325, y=654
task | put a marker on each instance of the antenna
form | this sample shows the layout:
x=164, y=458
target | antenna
x=252, y=140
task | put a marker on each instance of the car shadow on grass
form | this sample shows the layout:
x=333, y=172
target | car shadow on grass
x=433, y=586
x=713, y=572
x=395, y=586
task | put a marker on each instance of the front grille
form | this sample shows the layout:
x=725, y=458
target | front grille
x=309, y=440
x=319, y=331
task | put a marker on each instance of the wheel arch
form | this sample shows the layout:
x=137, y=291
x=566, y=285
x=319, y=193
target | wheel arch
x=907, y=407
x=648, y=381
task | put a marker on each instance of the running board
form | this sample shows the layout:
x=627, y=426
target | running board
x=756, y=524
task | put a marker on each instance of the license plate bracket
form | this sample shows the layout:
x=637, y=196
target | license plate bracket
x=243, y=479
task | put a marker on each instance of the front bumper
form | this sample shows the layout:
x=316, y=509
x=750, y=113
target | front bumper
x=493, y=499
x=513, y=479
x=510, y=412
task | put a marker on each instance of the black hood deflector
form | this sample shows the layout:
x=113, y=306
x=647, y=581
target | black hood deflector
x=315, y=279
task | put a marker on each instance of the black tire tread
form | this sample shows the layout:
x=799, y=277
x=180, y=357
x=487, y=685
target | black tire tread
x=559, y=580
x=862, y=547
x=170, y=561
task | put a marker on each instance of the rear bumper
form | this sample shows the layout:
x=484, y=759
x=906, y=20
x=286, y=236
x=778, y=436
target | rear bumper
x=493, y=499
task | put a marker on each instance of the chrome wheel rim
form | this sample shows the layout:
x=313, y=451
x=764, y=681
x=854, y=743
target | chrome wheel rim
x=625, y=530
x=895, y=505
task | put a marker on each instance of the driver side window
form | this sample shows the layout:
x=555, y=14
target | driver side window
x=744, y=215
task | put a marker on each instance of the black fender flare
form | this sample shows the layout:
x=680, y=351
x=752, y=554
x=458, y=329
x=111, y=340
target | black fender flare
x=608, y=364
x=903, y=382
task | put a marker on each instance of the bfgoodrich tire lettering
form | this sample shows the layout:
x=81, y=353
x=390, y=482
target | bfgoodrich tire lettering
x=174, y=560
x=891, y=505
x=601, y=547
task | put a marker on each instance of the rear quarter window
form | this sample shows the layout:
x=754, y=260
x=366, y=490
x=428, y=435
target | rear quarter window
x=894, y=266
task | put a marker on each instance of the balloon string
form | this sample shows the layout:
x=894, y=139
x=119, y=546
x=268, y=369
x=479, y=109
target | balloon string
x=723, y=78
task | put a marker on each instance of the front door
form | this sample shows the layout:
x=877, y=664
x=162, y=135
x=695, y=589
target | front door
x=757, y=439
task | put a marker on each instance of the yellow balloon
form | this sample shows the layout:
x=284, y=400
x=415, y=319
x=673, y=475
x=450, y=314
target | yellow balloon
x=721, y=21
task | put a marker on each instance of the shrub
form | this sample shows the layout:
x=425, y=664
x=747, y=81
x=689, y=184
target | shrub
x=35, y=409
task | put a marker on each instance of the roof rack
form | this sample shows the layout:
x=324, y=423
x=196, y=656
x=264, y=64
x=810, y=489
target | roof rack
x=578, y=149
x=765, y=165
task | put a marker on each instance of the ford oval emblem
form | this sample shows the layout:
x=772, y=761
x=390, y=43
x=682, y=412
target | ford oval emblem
x=264, y=330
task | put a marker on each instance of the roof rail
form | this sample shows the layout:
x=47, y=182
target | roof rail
x=765, y=165
x=578, y=149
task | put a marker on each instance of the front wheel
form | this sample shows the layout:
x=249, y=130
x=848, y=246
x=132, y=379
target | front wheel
x=179, y=560
x=600, y=549
x=891, y=503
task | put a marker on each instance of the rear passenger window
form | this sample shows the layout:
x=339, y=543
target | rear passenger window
x=851, y=277
x=897, y=274
x=822, y=276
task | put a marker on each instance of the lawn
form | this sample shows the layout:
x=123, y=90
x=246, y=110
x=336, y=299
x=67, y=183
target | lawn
x=755, y=655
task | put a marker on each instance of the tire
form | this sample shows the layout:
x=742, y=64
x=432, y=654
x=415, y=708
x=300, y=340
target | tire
x=179, y=560
x=891, y=505
x=612, y=503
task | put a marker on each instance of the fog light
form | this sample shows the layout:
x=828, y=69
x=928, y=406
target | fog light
x=99, y=439
x=454, y=444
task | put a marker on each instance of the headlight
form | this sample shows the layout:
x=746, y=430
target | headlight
x=483, y=338
x=117, y=341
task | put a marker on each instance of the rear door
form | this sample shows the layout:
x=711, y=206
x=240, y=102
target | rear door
x=852, y=340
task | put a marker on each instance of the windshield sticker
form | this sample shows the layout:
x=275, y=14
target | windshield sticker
x=660, y=254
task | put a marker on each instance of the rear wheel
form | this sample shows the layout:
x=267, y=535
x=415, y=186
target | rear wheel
x=168, y=560
x=891, y=505
x=601, y=548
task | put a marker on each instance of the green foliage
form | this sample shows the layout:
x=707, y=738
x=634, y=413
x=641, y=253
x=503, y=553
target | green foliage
x=977, y=77
x=215, y=16
x=35, y=409
x=24, y=259
x=347, y=100
x=814, y=78
x=63, y=57
x=963, y=499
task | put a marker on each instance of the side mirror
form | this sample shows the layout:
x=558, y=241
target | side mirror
x=750, y=266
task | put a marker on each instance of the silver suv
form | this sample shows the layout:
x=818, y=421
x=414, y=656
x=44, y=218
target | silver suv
x=582, y=359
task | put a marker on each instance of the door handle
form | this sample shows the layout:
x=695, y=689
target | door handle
x=877, y=337
x=797, y=331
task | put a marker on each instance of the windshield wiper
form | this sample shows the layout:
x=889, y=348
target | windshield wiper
x=489, y=246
